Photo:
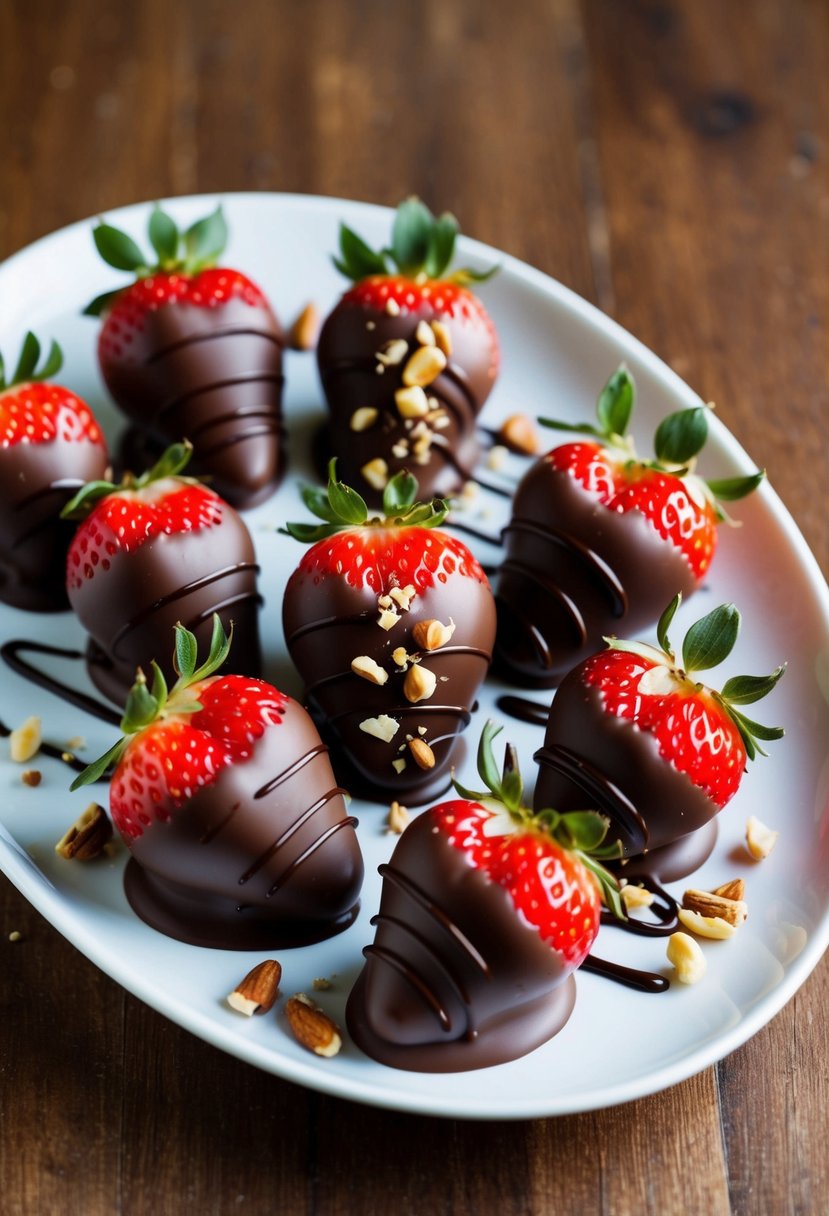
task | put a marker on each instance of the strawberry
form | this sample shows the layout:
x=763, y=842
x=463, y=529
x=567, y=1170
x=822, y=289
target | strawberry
x=486, y=911
x=50, y=444
x=152, y=551
x=599, y=537
x=191, y=350
x=632, y=731
x=407, y=358
x=391, y=623
x=222, y=790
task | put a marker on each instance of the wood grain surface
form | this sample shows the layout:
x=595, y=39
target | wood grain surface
x=667, y=159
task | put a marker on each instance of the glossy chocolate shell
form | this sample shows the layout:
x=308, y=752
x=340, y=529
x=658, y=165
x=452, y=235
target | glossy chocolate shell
x=347, y=357
x=266, y=857
x=36, y=482
x=454, y=979
x=575, y=572
x=212, y=375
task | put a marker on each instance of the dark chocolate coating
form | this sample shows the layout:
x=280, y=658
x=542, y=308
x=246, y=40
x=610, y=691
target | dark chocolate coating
x=36, y=482
x=594, y=759
x=265, y=857
x=575, y=572
x=347, y=359
x=455, y=979
x=212, y=375
x=328, y=623
x=131, y=610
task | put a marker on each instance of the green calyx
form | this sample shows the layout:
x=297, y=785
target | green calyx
x=27, y=370
x=170, y=464
x=146, y=705
x=708, y=643
x=580, y=832
x=421, y=244
x=341, y=508
x=677, y=442
x=197, y=248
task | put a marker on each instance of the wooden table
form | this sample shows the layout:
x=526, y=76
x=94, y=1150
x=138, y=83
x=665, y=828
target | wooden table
x=667, y=159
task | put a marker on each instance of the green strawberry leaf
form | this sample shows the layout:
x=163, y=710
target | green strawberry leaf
x=347, y=505
x=3, y=373
x=471, y=795
x=745, y=690
x=141, y=707
x=358, y=260
x=82, y=503
x=316, y=500
x=411, y=231
x=681, y=436
x=26, y=364
x=309, y=534
x=575, y=428
x=729, y=489
x=441, y=247
x=205, y=241
x=466, y=275
x=159, y=686
x=709, y=641
x=220, y=643
x=94, y=771
x=53, y=364
x=665, y=623
x=583, y=830
x=512, y=783
x=98, y=306
x=169, y=464
x=487, y=767
x=186, y=653
x=615, y=404
x=164, y=236
x=399, y=494
x=117, y=249
x=425, y=514
x=608, y=885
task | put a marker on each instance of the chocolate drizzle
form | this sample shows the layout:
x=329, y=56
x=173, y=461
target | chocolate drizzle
x=11, y=654
x=626, y=824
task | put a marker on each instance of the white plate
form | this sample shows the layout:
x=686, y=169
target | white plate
x=557, y=351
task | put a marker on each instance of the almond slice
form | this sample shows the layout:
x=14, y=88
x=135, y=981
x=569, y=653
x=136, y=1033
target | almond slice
x=311, y=1026
x=259, y=989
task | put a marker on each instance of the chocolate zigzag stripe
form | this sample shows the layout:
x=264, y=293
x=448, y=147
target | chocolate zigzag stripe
x=230, y=332
x=601, y=572
x=626, y=822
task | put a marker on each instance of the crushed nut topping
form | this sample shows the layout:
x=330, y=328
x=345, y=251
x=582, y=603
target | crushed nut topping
x=393, y=352
x=420, y=683
x=366, y=667
x=31, y=777
x=760, y=839
x=376, y=473
x=88, y=835
x=443, y=338
x=518, y=433
x=411, y=402
x=363, y=418
x=424, y=334
x=424, y=366
x=636, y=897
x=311, y=1026
x=259, y=989
x=432, y=634
x=388, y=618
x=687, y=958
x=397, y=818
x=422, y=753
x=382, y=727
x=305, y=330
x=708, y=903
x=715, y=927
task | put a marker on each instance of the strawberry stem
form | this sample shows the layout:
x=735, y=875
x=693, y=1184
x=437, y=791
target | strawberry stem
x=170, y=464
x=26, y=371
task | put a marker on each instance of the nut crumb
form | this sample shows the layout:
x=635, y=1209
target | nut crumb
x=312, y=1027
x=305, y=330
x=87, y=836
x=259, y=989
x=388, y=618
x=442, y=337
x=398, y=765
x=715, y=927
x=518, y=433
x=321, y=984
x=24, y=740
x=420, y=683
x=365, y=667
x=636, y=897
x=76, y=744
x=392, y=308
x=31, y=776
x=382, y=727
x=496, y=457
x=422, y=753
x=397, y=818
x=376, y=473
x=432, y=634
x=760, y=840
x=687, y=958
x=363, y=418
x=15, y=936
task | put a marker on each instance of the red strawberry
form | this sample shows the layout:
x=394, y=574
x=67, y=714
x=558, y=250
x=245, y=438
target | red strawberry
x=600, y=538
x=193, y=351
x=390, y=622
x=223, y=792
x=50, y=444
x=486, y=911
x=407, y=359
x=151, y=552
x=636, y=735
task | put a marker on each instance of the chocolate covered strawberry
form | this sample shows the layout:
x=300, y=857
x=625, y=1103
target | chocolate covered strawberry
x=390, y=622
x=407, y=358
x=487, y=908
x=634, y=733
x=600, y=540
x=223, y=792
x=192, y=350
x=155, y=550
x=50, y=444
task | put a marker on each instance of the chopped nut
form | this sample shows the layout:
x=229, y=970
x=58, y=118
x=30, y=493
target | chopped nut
x=716, y=927
x=424, y=366
x=24, y=741
x=15, y=936
x=382, y=727
x=363, y=418
x=401, y=658
x=636, y=897
x=392, y=308
x=311, y=1026
x=687, y=957
x=519, y=435
x=387, y=618
x=321, y=984
x=707, y=903
x=759, y=839
x=422, y=753
x=442, y=337
x=259, y=989
x=87, y=836
x=31, y=776
x=431, y=635
x=366, y=667
x=376, y=473
x=384, y=601
x=397, y=818
x=411, y=402
x=393, y=352
x=403, y=596
x=76, y=744
x=424, y=334
x=735, y=889
x=420, y=684
x=305, y=329
x=400, y=450
x=496, y=456
x=398, y=765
